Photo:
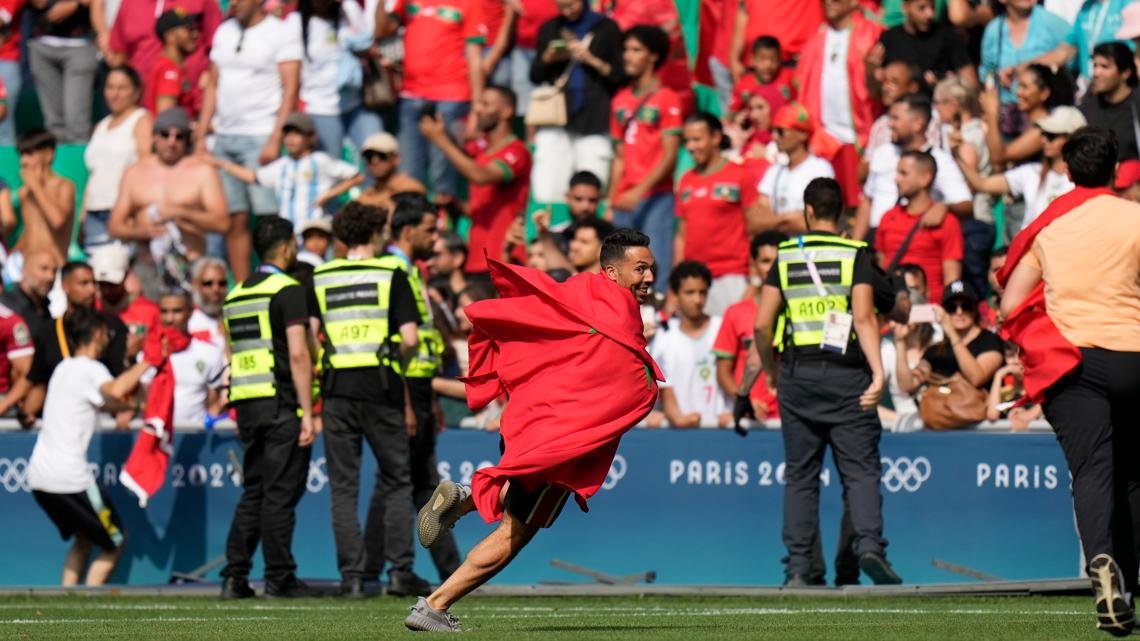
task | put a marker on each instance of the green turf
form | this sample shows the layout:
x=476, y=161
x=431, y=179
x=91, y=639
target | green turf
x=604, y=618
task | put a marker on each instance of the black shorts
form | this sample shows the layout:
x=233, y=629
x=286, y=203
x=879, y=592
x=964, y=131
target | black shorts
x=88, y=514
x=539, y=508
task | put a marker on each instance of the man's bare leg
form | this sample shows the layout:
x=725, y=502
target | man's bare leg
x=238, y=245
x=484, y=561
x=103, y=565
x=76, y=561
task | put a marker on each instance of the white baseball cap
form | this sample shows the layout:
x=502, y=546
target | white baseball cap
x=110, y=263
x=1062, y=120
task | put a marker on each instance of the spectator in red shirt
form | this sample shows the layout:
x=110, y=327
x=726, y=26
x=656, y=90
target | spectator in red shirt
x=794, y=23
x=499, y=174
x=16, y=348
x=675, y=73
x=766, y=73
x=733, y=346
x=534, y=14
x=134, y=40
x=110, y=264
x=716, y=210
x=443, y=73
x=646, y=128
x=937, y=250
x=169, y=85
x=11, y=15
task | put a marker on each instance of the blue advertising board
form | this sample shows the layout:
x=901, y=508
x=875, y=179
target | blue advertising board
x=696, y=507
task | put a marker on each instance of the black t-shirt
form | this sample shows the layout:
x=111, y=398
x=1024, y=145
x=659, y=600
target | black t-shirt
x=593, y=116
x=863, y=273
x=940, y=50
x=1122, y=118
x=35, y=313
x=48, y=354
x=378, y=384
x=944, y=363
x=287, y=308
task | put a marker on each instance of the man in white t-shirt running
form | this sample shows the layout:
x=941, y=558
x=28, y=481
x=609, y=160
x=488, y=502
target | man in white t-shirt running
x=781, y=199
x=691, y=396
x=58, y=471
x=198, y=369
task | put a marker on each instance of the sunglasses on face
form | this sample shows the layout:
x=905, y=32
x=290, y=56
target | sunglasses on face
x=369, y=156
x=173, y=133
x=1050, y=137
x=960, y=306
x=213, y=283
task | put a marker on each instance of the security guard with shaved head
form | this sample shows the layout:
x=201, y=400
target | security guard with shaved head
x=829, y=381
x=364, y=305
x=266, y=319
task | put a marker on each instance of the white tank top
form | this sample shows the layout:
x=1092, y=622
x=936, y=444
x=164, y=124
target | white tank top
x=108, y=154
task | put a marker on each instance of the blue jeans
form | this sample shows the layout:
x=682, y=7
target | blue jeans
x=521, y=61
x=654, y=218
x=95, y=228
x=501, y=74
x=419, y=158
x=10, y=72
x=243, y=198
x=358, y=123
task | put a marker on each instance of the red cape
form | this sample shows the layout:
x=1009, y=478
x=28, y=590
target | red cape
x=572, y=358
x=1045, y=353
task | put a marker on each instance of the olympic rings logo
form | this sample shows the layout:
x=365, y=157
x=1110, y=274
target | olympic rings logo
x=904, y=473
x=617, y=472
x=14, y=475
x=317, y=479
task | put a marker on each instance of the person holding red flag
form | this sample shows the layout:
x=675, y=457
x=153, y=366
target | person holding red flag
x=1072, y=304
x=573, y=358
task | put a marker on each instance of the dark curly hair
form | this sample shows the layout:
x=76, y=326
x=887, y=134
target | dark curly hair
x=356, y=223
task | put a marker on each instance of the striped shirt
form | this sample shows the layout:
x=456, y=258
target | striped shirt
x=298, y=182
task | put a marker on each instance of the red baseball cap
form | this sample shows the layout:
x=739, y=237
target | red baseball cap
x=1127, y=174
x=793, y=116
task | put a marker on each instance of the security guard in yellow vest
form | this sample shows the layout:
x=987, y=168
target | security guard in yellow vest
x=363, y=306
x=266, y=319
x=414, y=233
x=829, y=380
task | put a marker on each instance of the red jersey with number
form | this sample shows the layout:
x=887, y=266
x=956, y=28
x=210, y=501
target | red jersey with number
x=642, y=124
x=169, y=79
x=929, y=247
x=712, y=206
x=737, y=331
x=436, y=36
x=495, y=206
x=15, y=342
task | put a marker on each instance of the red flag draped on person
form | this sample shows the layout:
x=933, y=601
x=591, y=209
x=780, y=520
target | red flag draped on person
x=145, y=469
x=1045, y=353
x=572, y=359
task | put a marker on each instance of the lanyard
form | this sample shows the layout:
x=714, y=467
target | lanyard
x=819, y=288
x=266, y=268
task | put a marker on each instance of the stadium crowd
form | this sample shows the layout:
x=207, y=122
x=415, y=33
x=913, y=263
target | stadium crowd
x=536, y=127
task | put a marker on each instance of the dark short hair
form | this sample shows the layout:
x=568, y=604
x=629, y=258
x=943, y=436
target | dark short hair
x=130, y=73
x=770, y=238
x=654, y=38
x=1090, y=154
x=1121, y=56
x=410, y=212
x=919, y=105
x=603, y=228
x=712, y=122
x=766, y=42
x=924, y=159
x=615, y=245
x=34, y=140
x=688, y=269
x=453, y=241
x=357, y=224
x=81, y=325
x=825, y=197
x=271, y=233
x=508, y=95
x=72, y=266
x=913, y=270
x=585, y=178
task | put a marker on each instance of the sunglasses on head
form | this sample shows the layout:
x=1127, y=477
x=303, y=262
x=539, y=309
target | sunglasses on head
x=173, y=133
x=369, y=156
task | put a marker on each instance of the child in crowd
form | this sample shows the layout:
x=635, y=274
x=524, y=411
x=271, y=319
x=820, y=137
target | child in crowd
x=316, y=238
x=306, y=182
x=45, y=203
x=1007, y=389
x=766, y=71
x=169, y=85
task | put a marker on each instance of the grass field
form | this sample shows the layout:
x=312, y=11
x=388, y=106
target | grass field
x=608, y=618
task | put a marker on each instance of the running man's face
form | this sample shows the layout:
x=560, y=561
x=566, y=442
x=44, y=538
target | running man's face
x=634, y=272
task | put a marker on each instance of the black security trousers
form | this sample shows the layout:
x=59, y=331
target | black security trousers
x=1095, y=412
x=274, y=470
x=819, y=406
x=347, y=422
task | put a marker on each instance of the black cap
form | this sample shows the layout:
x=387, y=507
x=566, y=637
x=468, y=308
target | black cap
x=958, y=290
x=173, y=19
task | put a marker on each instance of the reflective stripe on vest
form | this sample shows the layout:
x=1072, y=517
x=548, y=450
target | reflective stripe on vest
x=354, y=296
x=250, y=335
x=806, y=309
x=428, y=358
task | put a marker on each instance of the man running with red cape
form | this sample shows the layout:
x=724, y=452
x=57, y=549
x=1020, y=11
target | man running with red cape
x=572, y=359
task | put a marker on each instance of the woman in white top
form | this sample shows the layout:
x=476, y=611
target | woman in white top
x=333, y=33
x=119, y=141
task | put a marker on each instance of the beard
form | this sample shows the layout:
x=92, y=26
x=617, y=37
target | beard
x=213, y=310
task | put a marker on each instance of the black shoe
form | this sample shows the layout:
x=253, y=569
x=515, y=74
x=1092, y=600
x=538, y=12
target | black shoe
x=802, y=581
x=847, y=579
x=237, y=588
x=1113, y=612
x=352, y=588
x=876, y=567
x=290, y=589
x=407, y=584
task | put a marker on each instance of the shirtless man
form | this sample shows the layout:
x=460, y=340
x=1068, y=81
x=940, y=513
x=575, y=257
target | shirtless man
x=47, y=200
x=381, y=155
x=170, y=196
